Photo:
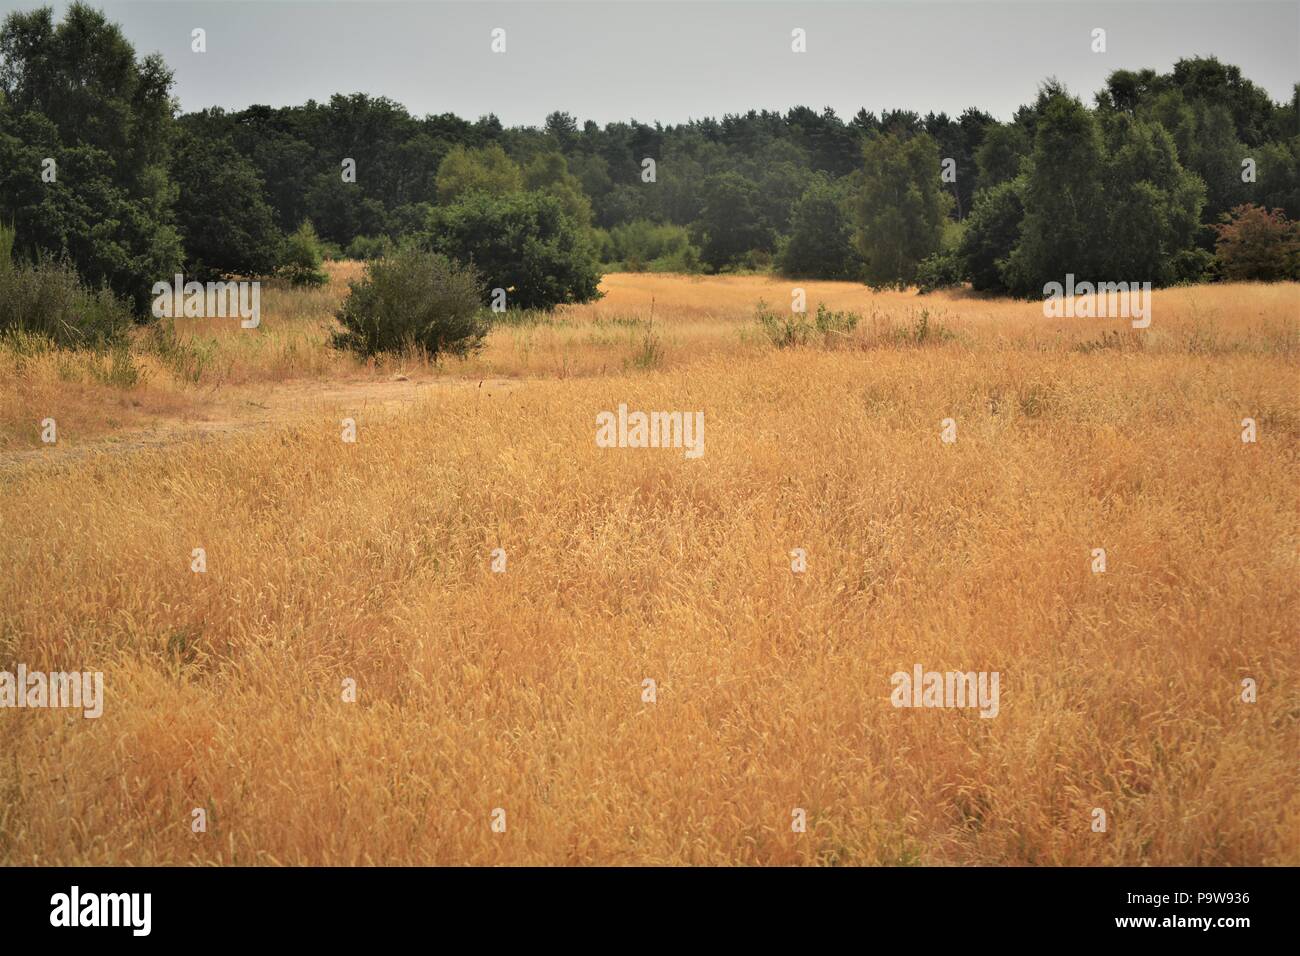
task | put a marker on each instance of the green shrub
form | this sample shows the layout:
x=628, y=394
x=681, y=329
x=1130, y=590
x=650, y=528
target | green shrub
x=603, y=246
x=366, y=248
x=48, y=299
x=685, y=260
x=523, y=243
x=830, y=323
x=1191, y=266
x=645, y=246
x=413, y=300
x=303, y=252
x=940, y=270
x=785, y=329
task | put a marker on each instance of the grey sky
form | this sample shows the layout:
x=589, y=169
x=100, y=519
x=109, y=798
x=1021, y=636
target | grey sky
x=669, y=61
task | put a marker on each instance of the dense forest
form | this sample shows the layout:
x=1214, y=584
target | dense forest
x=1145, y=182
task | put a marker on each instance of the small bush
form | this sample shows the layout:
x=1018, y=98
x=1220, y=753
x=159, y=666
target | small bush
x=831, y=324
x=413, y=300
x=644, y=246
x=783, y=330
x=603, y=247
x=303, y=252
x=48, y=299
x=685, y=260
x=366, y=248
x=939, y=270
x=1255, y=244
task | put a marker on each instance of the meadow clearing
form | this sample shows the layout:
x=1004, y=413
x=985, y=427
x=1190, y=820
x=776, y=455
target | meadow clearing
x=370, y=562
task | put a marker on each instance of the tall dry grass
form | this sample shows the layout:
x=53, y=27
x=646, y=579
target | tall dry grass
x=523, y=690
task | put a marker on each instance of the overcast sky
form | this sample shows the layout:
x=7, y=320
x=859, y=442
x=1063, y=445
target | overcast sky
x=670, y=61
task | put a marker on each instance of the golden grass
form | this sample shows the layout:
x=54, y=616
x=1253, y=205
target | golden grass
x=223, y=372
x=522, y=690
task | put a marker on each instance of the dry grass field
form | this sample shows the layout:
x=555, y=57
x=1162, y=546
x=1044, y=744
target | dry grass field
x=370, y=561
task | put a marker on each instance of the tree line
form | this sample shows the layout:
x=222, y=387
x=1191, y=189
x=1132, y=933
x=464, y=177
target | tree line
x=1148, y=181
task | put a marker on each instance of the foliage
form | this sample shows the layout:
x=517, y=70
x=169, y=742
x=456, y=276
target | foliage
x=549, y=173
x=899, y=207
x=940, y=270
x=370, y=247
x=783, y=329
x=1103, y=199
x=522, y=243
x=227, y=227
x=647, y=246
x=303, y=253
x=467, y=171
x=991, y=234
x=820, y=244
x=74, y=93
x=790, y=329
x=1132, y=185
x=730, y=224
x=1255, y=244
x=413, y=300
x=47, y=299
x=829, y=323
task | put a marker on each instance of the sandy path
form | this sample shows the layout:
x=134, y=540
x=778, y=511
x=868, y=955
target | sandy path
x=244, y=408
